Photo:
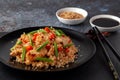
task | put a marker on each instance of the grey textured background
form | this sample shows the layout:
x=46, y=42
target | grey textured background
x=15, y=14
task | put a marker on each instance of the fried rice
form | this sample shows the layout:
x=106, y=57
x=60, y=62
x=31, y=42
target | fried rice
x=44, y=48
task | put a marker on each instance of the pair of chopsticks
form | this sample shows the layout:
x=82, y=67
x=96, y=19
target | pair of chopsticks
x=101, y=38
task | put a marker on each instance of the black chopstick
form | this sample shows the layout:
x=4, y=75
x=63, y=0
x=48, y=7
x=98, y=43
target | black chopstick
x=109, y=44
x=110, y=63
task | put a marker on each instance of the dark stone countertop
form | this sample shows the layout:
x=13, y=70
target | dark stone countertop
x=16, y=14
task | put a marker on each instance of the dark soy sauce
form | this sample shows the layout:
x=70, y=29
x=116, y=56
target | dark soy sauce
x=105, y=22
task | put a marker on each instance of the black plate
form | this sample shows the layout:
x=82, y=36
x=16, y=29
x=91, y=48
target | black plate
x=86, y=51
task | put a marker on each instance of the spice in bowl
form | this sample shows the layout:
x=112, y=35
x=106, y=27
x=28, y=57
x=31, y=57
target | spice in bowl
x=70, y=15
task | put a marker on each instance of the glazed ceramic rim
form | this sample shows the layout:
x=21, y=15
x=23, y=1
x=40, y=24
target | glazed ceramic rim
x=73, y=10
x=114, y=28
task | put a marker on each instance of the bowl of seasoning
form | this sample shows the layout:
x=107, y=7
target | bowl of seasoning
x=71, y=15
x=106, y=22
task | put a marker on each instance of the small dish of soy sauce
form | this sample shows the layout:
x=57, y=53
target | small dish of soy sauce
x=105, y=22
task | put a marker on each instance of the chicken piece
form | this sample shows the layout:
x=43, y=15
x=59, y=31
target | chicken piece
x=51, y=51
x=65, y=40
x=24, y=38
x=58, y=40
x=16, y=51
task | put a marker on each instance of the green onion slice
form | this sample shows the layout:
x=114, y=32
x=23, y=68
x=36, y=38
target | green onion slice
x=56, y=50
x=42, y=30
x=19, y=42
x=68, y=45
x=57, y=33
x=31, y=42
x=42, y=46
x=23, y=53
x=32, y=32
x=43, y=59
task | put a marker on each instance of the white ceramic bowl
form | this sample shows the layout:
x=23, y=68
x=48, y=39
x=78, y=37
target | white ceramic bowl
x=72, y=21
x=108, y=29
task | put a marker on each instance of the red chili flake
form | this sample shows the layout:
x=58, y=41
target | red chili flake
x=63, y=35
x=66, y=50
x=69, y=41
x=106, y=33
x=47, y=47
x=31, y=56
x=60, y=49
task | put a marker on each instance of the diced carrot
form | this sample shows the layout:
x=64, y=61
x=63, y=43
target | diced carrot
x=52, y=36
x=29, y=48
x=35, y=36
x=47, y=29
